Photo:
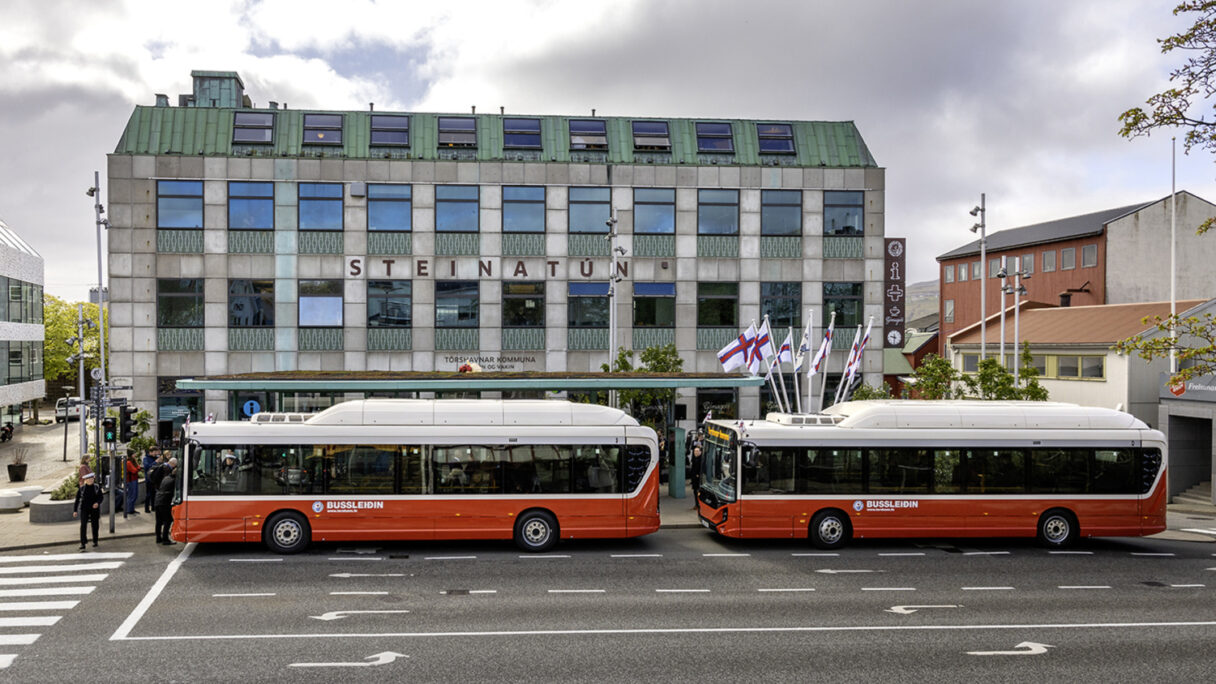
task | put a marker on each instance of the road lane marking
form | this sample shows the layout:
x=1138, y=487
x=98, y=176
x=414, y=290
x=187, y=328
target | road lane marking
x=985, y=553
x=450, y=558
x=908, y=610
x=1161, y=555
x=1024, y=648
x=682, y=591
x=66, y=556
x=1083, y=586
x=576, y=591
x=354, y=558
x=343, y=614
x=987, y=588
x=790, y=589
x=124, y=630
x=358, y=593
x=826, y=555
x=242, y=595
x=1188, y=586
x=382, y=658
x=888, y=588
x=1199, y=530
x=39, y=621
x=726, y=555
x=545, y=557
x=908, y=553
x=637, y=555
x=112, y=565
x=255, y=560
x=483, y=591
x=45, y=591
x=7, y=659
x=1071, y=553
x=38, y=605
x=54, y=579
x=833, y=571
x=18, y=639
x=348, y=575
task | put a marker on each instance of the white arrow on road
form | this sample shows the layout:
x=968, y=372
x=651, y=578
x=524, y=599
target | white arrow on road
x=830, y=571
x=908, y=610
x=359, y=574
x=339, y=614
x=1024, y=648
x=383, y=658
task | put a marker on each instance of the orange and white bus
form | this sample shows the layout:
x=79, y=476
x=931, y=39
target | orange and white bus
x=403, y=469
x=873, y=469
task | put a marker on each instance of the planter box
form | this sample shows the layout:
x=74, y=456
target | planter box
x=43, y=510
x=16, y=472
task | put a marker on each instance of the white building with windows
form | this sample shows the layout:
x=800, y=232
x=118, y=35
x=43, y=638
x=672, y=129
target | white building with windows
x=251, y=239
x=21, y=329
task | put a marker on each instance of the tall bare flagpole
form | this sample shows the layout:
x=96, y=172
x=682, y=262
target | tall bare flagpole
x=1173, y=256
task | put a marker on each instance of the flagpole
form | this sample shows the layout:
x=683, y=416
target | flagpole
x=848, y=364
x=827, y=357
x=806, y=337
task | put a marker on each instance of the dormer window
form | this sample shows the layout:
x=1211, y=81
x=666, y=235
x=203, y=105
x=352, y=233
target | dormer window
x=651, y=136
x=714, y=137
x=521, y=134
x=457, y=131
x=253, y=127
x=775, y=138
x=390, y=130
x=588, y=134
x=322, y=129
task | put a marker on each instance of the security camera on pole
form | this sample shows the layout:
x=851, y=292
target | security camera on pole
x=981, y=227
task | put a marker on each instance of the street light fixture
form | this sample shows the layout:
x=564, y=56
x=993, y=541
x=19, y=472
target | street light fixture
x=981, y=228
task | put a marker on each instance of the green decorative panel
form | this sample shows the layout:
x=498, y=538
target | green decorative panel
x=519, y=339
x=320, y=339
x=718, y=246
x=713, y=339
x=251, y=339
x=390, y=339
x=251, y=242
x=843, y=338
x=654, y=245
x=457, y=339
x=843, y=247
x=179, y=339
x=389, y=242
x=644, y=338
x=583, y=339
x=780, y=247
x=321, y=241
x=179, y=241
x=457, y=244
x=587, y=244
x=523, y=244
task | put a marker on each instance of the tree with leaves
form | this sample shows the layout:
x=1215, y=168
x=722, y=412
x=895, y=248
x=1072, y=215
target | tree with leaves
x=650, y=406
x=1196, y=345
x=1182, y=106
x=865, y=391
x=59, y=320
x=934, y=378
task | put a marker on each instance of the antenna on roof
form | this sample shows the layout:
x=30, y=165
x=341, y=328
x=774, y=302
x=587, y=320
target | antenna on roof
x=371, y=106
x=502, y=110
x=474, y=109
x=593, y=111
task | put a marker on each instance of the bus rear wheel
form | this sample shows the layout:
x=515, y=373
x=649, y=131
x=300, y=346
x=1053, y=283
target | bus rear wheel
x=1057, y=529
x=536, y=531
x=286, y=532
x=830, y=529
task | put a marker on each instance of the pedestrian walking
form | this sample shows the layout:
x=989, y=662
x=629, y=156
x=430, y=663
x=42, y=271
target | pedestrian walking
x=696, y=472
x=88, y=507
x=164, y=502
x=132, y=483
x=84, y=468
x=151, y=462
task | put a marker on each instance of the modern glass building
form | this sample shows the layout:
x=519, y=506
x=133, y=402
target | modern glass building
x=262, y=239
x=21, y=329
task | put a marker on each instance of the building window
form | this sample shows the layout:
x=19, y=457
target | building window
x=588, y=134
x=781, y=212
x=1027, y=264
x=588, y=305
x=1068, y=258
x=590, y=209
x=1049, y=261
x=775, y=138
x=994, y=267
x=1089, y=256
x=521, y=134
x=651, y=136
x=845, y=299
x=843, y=212
x=179, y=303
x=975, y=270
x=390, y=207
x=722, y=403
x=714, y=137
x=179, y=204
x=389, y=304
x=456, y=303
x=390, y=130
x=320, y=304
x=250, y=303
x=1080, y=367
x=322, y=129
x=457, y=131
x=948, y=273
x=654, y=305
x=717, y=305
x=971, y=363
x=457, y=208
x=962, y=273
x=523, y=305
x=948, y=311
x=717, y=212
x=523, y=209
x=654, y=211
x=320, y=206
x=782, y=303
x=250, y=206
x=252, y=127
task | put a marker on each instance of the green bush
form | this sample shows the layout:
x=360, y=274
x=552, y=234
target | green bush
x=67, y=490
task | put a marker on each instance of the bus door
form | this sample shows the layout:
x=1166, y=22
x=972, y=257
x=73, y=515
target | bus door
x=994, y=475
x=767, y=474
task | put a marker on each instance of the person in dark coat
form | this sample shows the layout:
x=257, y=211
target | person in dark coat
x=164, y=502
x=151, y=462
x=695, y=475
x=88, y=507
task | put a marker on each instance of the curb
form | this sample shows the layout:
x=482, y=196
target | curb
x=44, y=545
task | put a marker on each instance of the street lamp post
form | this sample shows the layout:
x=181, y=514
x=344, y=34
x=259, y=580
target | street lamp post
x=613, y=278
x=99, y=209
x=1003, y=274
x=1019, y=291
x=981, y=227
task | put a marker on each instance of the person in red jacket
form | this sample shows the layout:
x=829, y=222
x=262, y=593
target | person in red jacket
x=132, y=483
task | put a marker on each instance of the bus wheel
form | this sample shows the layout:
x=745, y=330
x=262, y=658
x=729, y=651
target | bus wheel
x=536, y=531
x=286, y=532
x=1057, y=529
x=830, y=529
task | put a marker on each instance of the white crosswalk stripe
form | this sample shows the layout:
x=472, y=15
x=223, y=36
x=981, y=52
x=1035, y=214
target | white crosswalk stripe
x=66, y=556
x=56, y=579
x=21, y=569
x=13, y=606
x=39, y=621
x=45, y=591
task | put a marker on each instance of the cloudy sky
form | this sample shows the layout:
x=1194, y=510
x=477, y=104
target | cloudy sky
x=954, y=97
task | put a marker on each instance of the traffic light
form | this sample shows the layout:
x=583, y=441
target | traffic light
x=107, y=430
x=126, y=423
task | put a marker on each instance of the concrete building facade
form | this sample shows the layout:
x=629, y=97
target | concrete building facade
x=21, y=328
x=247, y=239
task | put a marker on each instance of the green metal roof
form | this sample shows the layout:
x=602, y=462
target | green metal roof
x=208, y=131
x=385, y=381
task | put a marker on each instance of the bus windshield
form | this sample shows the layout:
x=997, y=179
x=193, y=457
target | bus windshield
x=718, y=475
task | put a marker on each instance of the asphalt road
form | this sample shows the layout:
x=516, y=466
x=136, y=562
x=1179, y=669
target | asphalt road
x=679, y=605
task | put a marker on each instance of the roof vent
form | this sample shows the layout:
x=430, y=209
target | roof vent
x=274, y=105
x=162, y=100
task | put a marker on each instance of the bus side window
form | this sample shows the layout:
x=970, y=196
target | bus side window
x=637, y=462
